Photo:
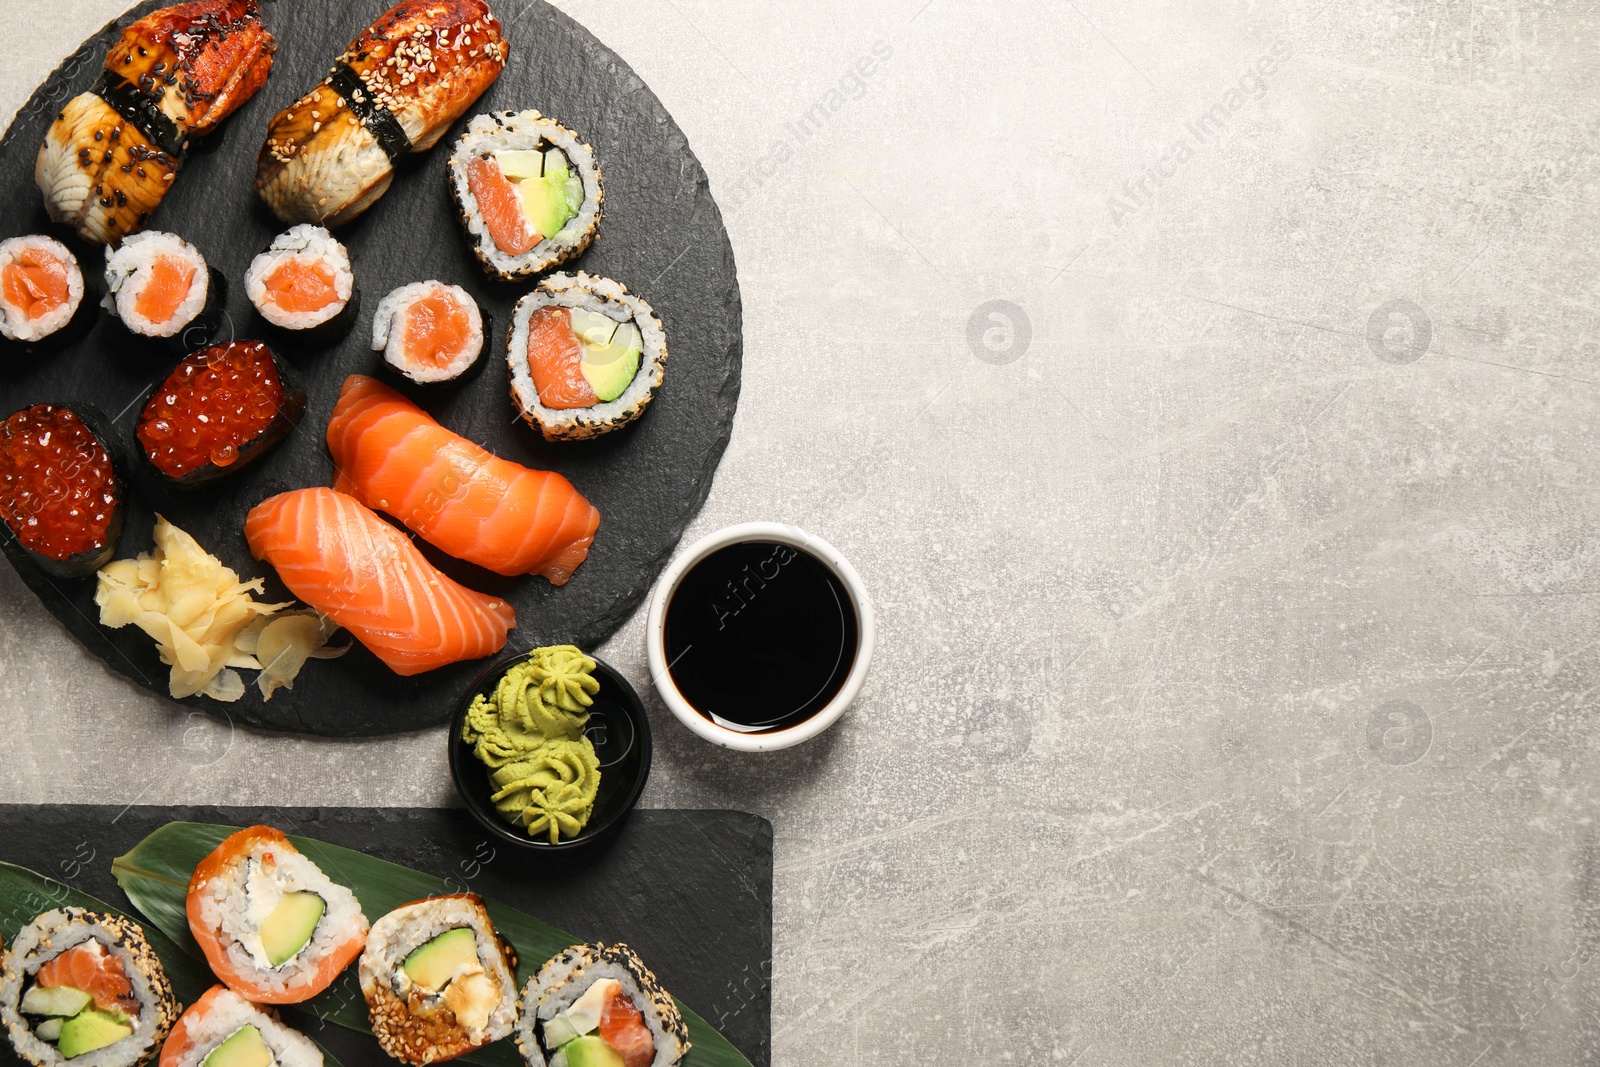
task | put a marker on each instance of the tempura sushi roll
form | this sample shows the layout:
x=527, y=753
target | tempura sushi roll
x=430, y=332
x=220, y=410
x=222, y=1029
x=159, y=287
x=274, y=928
x=585, y=356
x=599, y=1006
x=438, y=979
x=84, y=987
x=62, y=495
x=528, y=190
x=303, y=286
x=42, y=290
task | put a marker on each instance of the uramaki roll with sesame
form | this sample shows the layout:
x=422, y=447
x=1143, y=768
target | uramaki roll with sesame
x=599, y=1004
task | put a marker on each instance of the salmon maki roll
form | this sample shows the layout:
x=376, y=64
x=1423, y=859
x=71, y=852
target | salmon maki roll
x=273, y=927
x=390, y=454
x=368, y=577
x=42, y=290
x=160, y=289
x=430, y=332
x=222, y=1029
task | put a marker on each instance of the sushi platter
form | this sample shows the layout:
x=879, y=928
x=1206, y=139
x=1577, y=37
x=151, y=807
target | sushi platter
x=687, y=891
x=379, y=350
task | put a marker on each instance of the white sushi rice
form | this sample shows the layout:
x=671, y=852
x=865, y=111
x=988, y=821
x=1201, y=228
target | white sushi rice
x=389, y=338
x=236, y=901
x=13, y=324
x=502, y=131
x=229, y=1012
x=560, y=982
x=609, y=298
x=310, y=245
x=128, y=269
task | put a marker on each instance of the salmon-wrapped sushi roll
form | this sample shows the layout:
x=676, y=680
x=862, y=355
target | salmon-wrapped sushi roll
x=274, y=928
x=222, y=1029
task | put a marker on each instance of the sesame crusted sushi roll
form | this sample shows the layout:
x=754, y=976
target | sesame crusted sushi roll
x=528, y=191
x=304, y=288
x=84, y=987
x=599, y=1005
x=159, y=287
x=430, y=332
x=222, y=1029
x=274, y=928
x=439, y=980
x=42, y=303
x=585, y=356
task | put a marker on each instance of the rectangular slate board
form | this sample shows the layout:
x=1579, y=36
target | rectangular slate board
x=690, y=890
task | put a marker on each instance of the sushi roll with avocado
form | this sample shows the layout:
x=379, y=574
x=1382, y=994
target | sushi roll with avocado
x=585, y=356
x=42, y=289
x=62, y=495
x=272, y=926
x=159, y=288
x=430, y=332
x=84, y=987
x=222, y=1029
x=304, y=288
x=528, y=191
x=438, y=979
x=599, y=1006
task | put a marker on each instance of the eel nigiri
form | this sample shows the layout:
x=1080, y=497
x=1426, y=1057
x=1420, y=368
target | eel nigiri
x=368, y=577
x=392, y=456
x=112, y=152
x=330, y=155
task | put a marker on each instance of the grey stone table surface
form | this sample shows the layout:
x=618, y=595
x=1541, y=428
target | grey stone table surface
x=1207, y=394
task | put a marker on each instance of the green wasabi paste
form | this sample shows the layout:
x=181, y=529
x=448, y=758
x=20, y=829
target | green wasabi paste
x=529, y=733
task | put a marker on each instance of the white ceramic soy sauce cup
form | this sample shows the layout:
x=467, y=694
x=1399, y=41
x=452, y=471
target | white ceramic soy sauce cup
x=656, y=636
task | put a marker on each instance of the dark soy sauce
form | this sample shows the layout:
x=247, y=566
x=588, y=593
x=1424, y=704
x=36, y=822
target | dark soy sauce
x=760, y=636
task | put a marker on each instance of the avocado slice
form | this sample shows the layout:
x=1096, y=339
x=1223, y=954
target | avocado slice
x=89, y=1031
x=49, y=1030
x=592, y=327
x=609, y=369
x=434, y=963
x=63, y=1000
x=591, y=1051
x=518, y=164
x=245, y=1047
x=290, y=926
x=544, y=202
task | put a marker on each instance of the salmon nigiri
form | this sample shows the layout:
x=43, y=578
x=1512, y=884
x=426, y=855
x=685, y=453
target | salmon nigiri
x=392, y=456
x=368, y=577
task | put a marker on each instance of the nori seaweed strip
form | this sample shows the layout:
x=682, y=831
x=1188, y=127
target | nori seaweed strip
x=144, y=111
x=379, y=120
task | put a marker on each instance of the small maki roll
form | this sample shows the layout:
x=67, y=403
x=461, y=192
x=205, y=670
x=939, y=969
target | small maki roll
x=84, y=987
x=438, y=979
x=159, y=287
x=222, y=1029
x=304, y=287
x=599, y=1006
x=61, y=493
x=41, y=294
x=430, y=332
x=528, y=191
x=219, y=410
x=585, y=356
x=272, y=926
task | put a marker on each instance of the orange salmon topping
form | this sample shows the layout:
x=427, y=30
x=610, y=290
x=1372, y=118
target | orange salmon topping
x=35, y=283
x=556, y=361
x=90, y=968
x=168, y=287
x=298, y=287
x=436, y=330
x=501, y=206
x=622, y=1027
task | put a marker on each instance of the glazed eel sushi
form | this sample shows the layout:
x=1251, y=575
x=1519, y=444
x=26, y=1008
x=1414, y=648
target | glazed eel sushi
x=599, y=1006
x=84, y=987
x=62, y=496
x=330, y=155
x=174, y=75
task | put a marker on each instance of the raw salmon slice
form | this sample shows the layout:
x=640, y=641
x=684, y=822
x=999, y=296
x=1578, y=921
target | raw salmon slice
x=556, y=361
x=90, y=968
x=167, y=287
x=392, y=456
x=436, y=330
x=368, y=577
x=301, y=287
x=501, y=207
x=622, y=1027
x=35, y=283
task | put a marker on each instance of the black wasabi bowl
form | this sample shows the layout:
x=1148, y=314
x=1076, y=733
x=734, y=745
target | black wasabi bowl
x=620, y=732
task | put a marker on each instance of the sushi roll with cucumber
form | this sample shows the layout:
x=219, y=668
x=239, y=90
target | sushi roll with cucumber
x=599, y=1006
x=273, y=927
x=62, y=495
x=85, y=987
x=439, y=980
x=159, y=287
x=304, y=288
x=430, y=332
x=585, y=356
x=528, y=190
x=42, y=303
x=222, y=1029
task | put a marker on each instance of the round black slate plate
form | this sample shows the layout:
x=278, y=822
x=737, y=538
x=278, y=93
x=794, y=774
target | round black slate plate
x=662, y=236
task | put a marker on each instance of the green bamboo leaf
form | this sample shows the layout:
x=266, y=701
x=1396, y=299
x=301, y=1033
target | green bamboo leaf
x=155, y=875
x=25, y=895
